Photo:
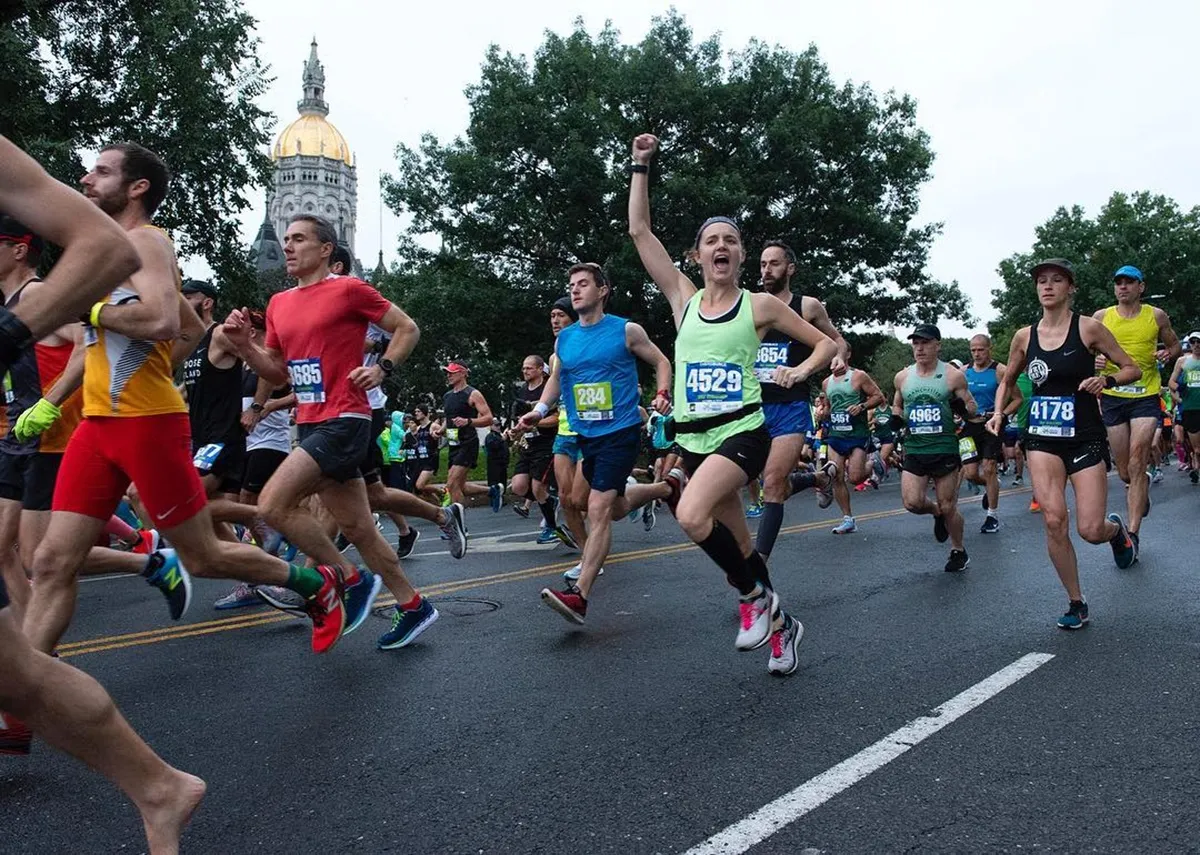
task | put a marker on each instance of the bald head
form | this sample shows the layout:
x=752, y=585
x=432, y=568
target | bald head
x=981, y=351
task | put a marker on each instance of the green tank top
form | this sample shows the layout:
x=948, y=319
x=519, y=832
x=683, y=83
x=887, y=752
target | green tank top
x=714, y=372
x=927, y=410
x=1189, y=384
x=1026, y=387
x=842, y=396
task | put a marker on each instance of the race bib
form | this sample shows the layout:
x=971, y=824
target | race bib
x=1193, y=378
x=771, y=355
x=841, y=421
x=207, y=455
x=90, y=335
x=966, y=449
x=713, y=387
x=594, y=401
x=452, y=436
x=307, y=381
x=1051, y=415
x=422, y=451
x=925, y=419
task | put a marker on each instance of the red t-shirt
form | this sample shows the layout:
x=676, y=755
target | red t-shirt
x=320, y=330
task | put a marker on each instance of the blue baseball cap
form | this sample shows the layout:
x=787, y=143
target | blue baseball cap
x=1130, y=272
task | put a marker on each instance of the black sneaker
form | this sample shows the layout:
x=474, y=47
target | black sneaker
x=520, y=510
x=341, y=542
x=406, y=542
x=991, y=525
x=985, y=500
x=1076, y=616
x=1146, y=512
x=1137, y=545
x=958, y=561
x=1194, y=475
x=940, y=532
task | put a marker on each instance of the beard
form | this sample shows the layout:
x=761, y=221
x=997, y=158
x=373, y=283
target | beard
x=775, y=286
x=112, y=204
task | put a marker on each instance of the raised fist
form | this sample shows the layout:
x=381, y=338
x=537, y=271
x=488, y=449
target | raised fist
x=644, y=147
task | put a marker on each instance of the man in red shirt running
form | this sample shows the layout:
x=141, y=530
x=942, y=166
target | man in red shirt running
x=315, y=334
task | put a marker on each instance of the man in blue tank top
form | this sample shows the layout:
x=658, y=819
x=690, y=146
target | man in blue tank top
x=981, y=450
x=596, y=374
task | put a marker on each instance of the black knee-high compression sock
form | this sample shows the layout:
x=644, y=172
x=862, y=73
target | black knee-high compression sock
x=549, y=512
x=768, y=527
x=759, y=568
x=722, y=547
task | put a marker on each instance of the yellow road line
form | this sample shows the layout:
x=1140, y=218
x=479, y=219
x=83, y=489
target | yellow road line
x=209, y=627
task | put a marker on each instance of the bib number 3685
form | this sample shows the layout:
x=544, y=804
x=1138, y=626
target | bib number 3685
x=307, y=380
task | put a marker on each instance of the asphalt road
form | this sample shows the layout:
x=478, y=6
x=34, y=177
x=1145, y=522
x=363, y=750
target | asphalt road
x=507, y=730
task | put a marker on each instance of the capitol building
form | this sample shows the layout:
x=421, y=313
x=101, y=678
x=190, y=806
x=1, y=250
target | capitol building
x=314, y=174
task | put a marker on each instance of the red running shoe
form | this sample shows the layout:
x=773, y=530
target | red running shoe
x=676, y=479
x=569, y=603
x=327, y=610
x=148, y=542
x=15, y=737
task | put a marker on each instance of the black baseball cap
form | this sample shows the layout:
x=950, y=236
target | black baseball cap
x=928, y=332
x=1060, y=263
x=197, y=286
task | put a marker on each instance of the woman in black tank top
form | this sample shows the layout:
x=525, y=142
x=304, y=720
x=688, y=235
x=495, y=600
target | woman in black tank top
x=1065, y=438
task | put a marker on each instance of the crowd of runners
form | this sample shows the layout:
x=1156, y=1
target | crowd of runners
x=151, y=431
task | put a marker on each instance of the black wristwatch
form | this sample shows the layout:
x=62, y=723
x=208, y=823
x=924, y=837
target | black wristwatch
x=387, y=365
x=257, y=407
x=1110, y=381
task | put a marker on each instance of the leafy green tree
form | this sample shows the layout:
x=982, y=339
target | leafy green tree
x=1146, y=230
x=178, y=76
x=761, y=134
x=891, y=356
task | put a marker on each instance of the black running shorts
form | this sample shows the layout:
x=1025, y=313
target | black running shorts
x=1076, y=456
x=748, y=449
x=261, y=464
x=932, y=465
x=339, y=446
x=1191, y=421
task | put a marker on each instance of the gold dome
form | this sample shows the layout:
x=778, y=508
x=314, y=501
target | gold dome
x=312, y=135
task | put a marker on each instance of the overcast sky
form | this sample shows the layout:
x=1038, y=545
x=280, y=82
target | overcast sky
x=1028, y=105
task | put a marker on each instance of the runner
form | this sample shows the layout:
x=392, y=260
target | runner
x=495, y=448
x=984, y=376
x=464, y=409
x=535, y=460
x=718, y=412
x=595, y=374
x=67, y=708
x=1185, y=388
x=928, y=393
x=1065, y=439
x=1131, y=410
x=426, y=455
x=787, y=410
x=315, y=335
x=851, y=393
x=566, y=444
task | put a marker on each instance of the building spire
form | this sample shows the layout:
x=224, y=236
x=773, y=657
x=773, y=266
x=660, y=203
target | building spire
x=314, y=85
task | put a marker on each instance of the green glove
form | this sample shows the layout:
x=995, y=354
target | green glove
x=36, y=420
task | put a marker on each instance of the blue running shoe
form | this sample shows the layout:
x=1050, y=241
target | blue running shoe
x=754, y=511
x=1076, y=616
x=495, y=497
x=289, y=551
x=240, y=597
x=547, y=535
x=1123, y=550
x=406, y=626
x=173, y=580
x=359, y=599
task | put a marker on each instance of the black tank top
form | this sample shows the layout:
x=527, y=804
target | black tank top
x=214, y=396
x=780, y=349
x=1056, y=375
x=424, y=443
x=458, y=405
x=22, y=387
x=544, y=437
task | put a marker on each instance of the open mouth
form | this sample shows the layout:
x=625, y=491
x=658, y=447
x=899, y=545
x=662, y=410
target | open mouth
x=721, y=262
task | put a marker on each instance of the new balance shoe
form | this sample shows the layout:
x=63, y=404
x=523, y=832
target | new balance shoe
x=846, y=526
x=760, y=616
x=991, y=525
x=359, y=598
x=1123, y=550
x=572, y=576
x=940, y=533
x=568, y=540
x=649, y=517
x=407, y=625
x=406, y=542
x=16, y=738
x=958, y=561
x=455, y=530
x=173, y=580
x=327, y=610
x=1076, y=616
x=569, y=603
x=785, y=645
x=241, y=596
x=825, y=494
x=284, y=599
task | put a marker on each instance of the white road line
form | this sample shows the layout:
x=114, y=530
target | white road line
x=813, y=793
x=108, y=577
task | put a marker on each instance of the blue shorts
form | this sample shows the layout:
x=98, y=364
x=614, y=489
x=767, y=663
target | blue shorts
x=788, y=417
x=568, y=446
x=843, y=447
x=609, y=459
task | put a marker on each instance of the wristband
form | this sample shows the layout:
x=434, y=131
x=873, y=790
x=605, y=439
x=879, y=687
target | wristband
x=541, y=409
x=664, y=393
x=638, y=167
x=94, y=314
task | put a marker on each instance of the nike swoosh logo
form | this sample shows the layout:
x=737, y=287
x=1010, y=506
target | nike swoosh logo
x=1068, y=352
x=162, y=517
x=1077, y=459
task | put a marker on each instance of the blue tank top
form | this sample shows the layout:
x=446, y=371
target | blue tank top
x=599, y=377
x=982, y=385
